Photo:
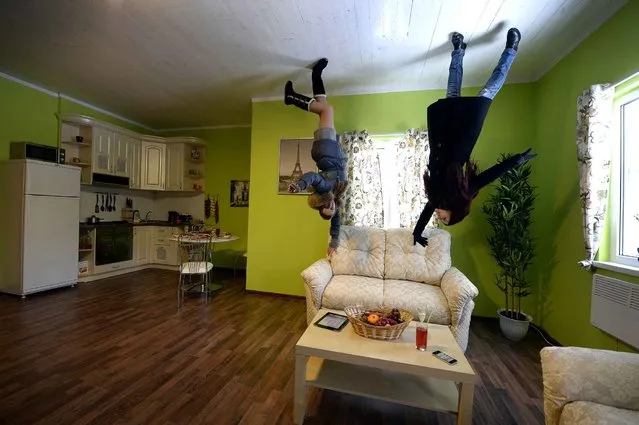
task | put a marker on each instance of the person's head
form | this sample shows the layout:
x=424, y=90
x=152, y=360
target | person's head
x=454, y=201
x=324, y=203
x=328, y=203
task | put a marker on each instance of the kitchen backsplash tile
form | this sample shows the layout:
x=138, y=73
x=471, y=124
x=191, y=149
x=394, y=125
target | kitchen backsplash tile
x=159, y=203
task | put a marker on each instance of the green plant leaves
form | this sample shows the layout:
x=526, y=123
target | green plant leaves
x=508, y=211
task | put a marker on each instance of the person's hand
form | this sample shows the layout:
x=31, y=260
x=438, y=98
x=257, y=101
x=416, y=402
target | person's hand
x=292, y=188
x=527, y=156
x=420, y=240
x=330, y=251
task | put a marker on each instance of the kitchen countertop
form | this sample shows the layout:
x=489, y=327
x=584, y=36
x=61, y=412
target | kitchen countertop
x=118, y=223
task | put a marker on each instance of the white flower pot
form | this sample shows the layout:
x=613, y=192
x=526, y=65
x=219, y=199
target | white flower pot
x=511, y=328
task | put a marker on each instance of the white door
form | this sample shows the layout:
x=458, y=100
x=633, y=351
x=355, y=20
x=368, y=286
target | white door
x=120, y=155
x=175, y=166
x=102, y=142
x=51, y=236
x=134, y=163
x=46, y=178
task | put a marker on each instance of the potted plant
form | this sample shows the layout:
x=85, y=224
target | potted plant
x=508, y=210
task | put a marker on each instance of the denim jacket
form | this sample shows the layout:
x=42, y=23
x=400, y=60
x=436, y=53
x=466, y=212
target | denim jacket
x=324, y=182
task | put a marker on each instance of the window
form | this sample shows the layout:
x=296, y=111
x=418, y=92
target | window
x=624, y=200
x=386, y=152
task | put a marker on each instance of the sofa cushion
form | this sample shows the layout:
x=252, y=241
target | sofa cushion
x=587, y=413
x=360, y=252
x=406, y=261
x=413, y=296
x=346, y=290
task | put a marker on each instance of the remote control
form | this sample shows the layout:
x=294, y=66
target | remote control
x=445, y=357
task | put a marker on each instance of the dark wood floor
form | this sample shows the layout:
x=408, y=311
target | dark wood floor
x=117, y=352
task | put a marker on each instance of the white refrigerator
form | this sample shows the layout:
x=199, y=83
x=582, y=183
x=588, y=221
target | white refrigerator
x=40, y=211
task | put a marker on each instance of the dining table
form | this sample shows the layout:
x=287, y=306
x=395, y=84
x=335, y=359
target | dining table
x=205, y=239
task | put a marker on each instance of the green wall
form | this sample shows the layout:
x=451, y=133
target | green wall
x=564, y=298
x=227, y=158
x=287, y=236
x=29, y=114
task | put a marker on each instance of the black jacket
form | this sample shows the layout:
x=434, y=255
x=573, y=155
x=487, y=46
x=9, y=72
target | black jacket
x=454, y=125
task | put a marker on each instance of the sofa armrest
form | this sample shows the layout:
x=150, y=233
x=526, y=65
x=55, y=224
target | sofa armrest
x=572, y=374
x=458, y=290
x=316, y=278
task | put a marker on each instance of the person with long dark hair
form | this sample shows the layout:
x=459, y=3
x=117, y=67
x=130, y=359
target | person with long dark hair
x=452, y=180
x=331, y=182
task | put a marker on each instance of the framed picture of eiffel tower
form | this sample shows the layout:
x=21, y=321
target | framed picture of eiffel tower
x=295, y=160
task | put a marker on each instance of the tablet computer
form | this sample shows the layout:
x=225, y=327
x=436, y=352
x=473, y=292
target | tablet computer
x=332, y=321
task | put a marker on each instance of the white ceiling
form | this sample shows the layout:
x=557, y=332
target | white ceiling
x=186, y=63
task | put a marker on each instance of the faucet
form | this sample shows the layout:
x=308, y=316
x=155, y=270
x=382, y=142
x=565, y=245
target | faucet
x=146, y=217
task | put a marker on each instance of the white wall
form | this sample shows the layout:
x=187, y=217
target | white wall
x=159, y=203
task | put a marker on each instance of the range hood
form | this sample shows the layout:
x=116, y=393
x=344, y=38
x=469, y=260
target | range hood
x=108, y=180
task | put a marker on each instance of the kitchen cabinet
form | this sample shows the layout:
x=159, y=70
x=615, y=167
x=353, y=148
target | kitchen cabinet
x=165, y=251
x=120, y=155
x=153, y=165
x=135, y=161
x=102, y=142
x=110, y=152
x=175, y=166
x=141, y=245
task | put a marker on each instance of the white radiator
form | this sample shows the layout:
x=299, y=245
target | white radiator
x=615, y=308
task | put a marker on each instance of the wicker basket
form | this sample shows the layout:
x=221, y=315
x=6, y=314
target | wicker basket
x=367, y=330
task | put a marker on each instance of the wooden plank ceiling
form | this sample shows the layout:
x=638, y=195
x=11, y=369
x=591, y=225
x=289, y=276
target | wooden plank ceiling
x=167, y=63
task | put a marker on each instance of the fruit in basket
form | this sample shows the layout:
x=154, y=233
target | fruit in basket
x=383, y=319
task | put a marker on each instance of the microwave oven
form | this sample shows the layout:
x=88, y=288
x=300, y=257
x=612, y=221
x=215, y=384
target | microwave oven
x=29, y=150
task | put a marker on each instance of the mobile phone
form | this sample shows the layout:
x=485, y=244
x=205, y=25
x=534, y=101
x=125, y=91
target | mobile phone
x=445, y=357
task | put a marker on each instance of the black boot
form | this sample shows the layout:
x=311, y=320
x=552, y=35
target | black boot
x=512, y=39
x=458, y=41
x=292, y=98
x=318, y=84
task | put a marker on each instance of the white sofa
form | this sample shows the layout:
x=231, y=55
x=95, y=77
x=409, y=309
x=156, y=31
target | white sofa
x=382, y=268
x=584, y=386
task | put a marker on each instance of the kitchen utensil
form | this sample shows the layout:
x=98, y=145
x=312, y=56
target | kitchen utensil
x=108, y=204
x=113, y=206
x=97, y=203
x=102, y=207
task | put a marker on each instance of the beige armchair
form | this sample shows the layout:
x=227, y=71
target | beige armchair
x=590, y=387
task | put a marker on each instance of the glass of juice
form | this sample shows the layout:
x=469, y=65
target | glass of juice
x=421, y=336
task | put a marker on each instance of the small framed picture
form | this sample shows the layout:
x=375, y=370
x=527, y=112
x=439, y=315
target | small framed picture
x=239, y=193
x=332, y=321
x=295, y=161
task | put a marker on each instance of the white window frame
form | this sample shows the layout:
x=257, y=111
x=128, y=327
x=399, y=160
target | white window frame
x=616, y=180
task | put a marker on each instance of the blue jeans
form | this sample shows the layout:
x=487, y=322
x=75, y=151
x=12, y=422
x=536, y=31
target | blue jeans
x=497, y=79
x=455, y=73
x=495, y=82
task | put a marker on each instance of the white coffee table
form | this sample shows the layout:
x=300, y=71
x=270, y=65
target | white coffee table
x=386, y=370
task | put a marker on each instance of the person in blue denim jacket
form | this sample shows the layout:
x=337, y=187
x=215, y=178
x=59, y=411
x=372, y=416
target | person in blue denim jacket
x=330, y=182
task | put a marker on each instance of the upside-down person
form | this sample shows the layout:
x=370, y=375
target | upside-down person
x=452, y=180
x=331, y=182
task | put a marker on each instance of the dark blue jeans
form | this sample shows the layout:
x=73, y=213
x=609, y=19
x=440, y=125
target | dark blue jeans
x=495, y=82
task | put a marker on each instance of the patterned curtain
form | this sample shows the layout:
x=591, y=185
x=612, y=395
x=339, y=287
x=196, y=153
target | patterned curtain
x=363, y=199
x=594, y=118
x=412, y=160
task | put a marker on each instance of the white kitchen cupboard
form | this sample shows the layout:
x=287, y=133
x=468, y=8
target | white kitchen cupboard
x=120, y=155
x=175, y=166
x=165, y=251
x=153, y=172
x=141, y=245
x=102, y=143
x=110, y=152
x=135, y=162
